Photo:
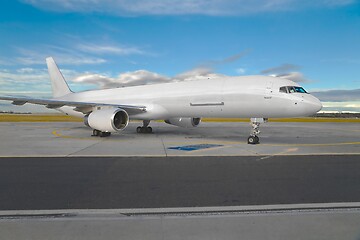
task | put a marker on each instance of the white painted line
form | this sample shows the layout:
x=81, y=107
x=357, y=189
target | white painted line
x=228, y=209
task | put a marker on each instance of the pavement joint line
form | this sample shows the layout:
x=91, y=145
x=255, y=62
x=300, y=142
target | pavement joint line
x=84, y=149
x=163, y=144
x=315, y=207
x=280, y=153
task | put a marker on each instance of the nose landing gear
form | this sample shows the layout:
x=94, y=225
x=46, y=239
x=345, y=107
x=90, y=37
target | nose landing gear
x=253, y=140
x=255, y=124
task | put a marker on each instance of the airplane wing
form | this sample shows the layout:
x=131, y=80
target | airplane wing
x=84, y=107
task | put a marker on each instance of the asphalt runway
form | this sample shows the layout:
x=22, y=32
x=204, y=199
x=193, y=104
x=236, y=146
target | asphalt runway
x=162, y=182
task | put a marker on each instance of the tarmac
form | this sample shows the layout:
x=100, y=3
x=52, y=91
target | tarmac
x=300, y=182
x=209, y=139
x=176, y=182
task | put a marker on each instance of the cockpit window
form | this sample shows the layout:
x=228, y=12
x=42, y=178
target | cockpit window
x=292, y=89
x=300, y=90
x=283, y=89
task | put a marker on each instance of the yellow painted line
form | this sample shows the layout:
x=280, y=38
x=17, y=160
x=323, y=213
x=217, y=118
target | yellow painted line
x=37, y=118
x=55, y=133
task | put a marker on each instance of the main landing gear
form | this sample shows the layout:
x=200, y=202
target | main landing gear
x=255, y=124
x=145, y=128
x=97, y=133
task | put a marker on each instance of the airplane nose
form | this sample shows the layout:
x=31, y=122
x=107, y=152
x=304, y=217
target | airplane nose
x=316, y=105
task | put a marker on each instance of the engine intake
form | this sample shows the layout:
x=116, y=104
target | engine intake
x=184, y=122
x=107, y=120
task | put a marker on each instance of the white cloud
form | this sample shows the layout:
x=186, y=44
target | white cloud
x=179, y=7
x=29, y=75
x=294, y=76
x=287, y=71
x=77, y=53
x=241, y=70
x=28, y=81
x=135, y=78
x=286, y=67
x=62, y=55
x=341, y=106
x=62, y=59
x=143, y=77
x=24, y=82
x=109, y=49
x=196, y=73
x=230, y=59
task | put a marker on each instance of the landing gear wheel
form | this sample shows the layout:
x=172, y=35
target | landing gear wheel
x=138, y=129
x=253, y=140
x=104, y=134
x=144, y=128
x=95, y=133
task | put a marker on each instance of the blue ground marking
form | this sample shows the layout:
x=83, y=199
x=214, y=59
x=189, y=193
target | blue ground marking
x=195, y=147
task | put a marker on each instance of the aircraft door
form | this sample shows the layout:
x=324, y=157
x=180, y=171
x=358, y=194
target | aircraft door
x=269, y=90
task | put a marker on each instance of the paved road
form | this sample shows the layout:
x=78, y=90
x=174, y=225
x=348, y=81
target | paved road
x=139, y=182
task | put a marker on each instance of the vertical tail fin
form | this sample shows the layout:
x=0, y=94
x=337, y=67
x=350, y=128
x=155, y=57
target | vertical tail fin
x=58, y=83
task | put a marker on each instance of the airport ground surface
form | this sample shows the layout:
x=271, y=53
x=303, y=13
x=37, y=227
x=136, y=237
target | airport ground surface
x=176, y=182
x=211, y=165
x=209, y=139
x=301, y=182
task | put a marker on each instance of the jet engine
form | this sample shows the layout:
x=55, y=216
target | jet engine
x=184, y=122
x=107, y=120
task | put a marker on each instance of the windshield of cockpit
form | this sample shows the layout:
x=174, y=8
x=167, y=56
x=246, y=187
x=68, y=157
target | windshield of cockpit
x=292, y=89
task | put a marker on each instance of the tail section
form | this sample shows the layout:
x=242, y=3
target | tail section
x=58, y=83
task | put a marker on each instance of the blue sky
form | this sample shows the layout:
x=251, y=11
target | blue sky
x=129, y=42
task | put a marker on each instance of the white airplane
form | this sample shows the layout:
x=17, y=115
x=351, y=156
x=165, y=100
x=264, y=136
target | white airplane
x=179, y=103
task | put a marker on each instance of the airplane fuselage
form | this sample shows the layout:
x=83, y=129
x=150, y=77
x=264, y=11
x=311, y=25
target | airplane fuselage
x=227, y=97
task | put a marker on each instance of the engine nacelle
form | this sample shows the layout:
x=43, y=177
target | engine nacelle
x=184, y=122
x=107, y=120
